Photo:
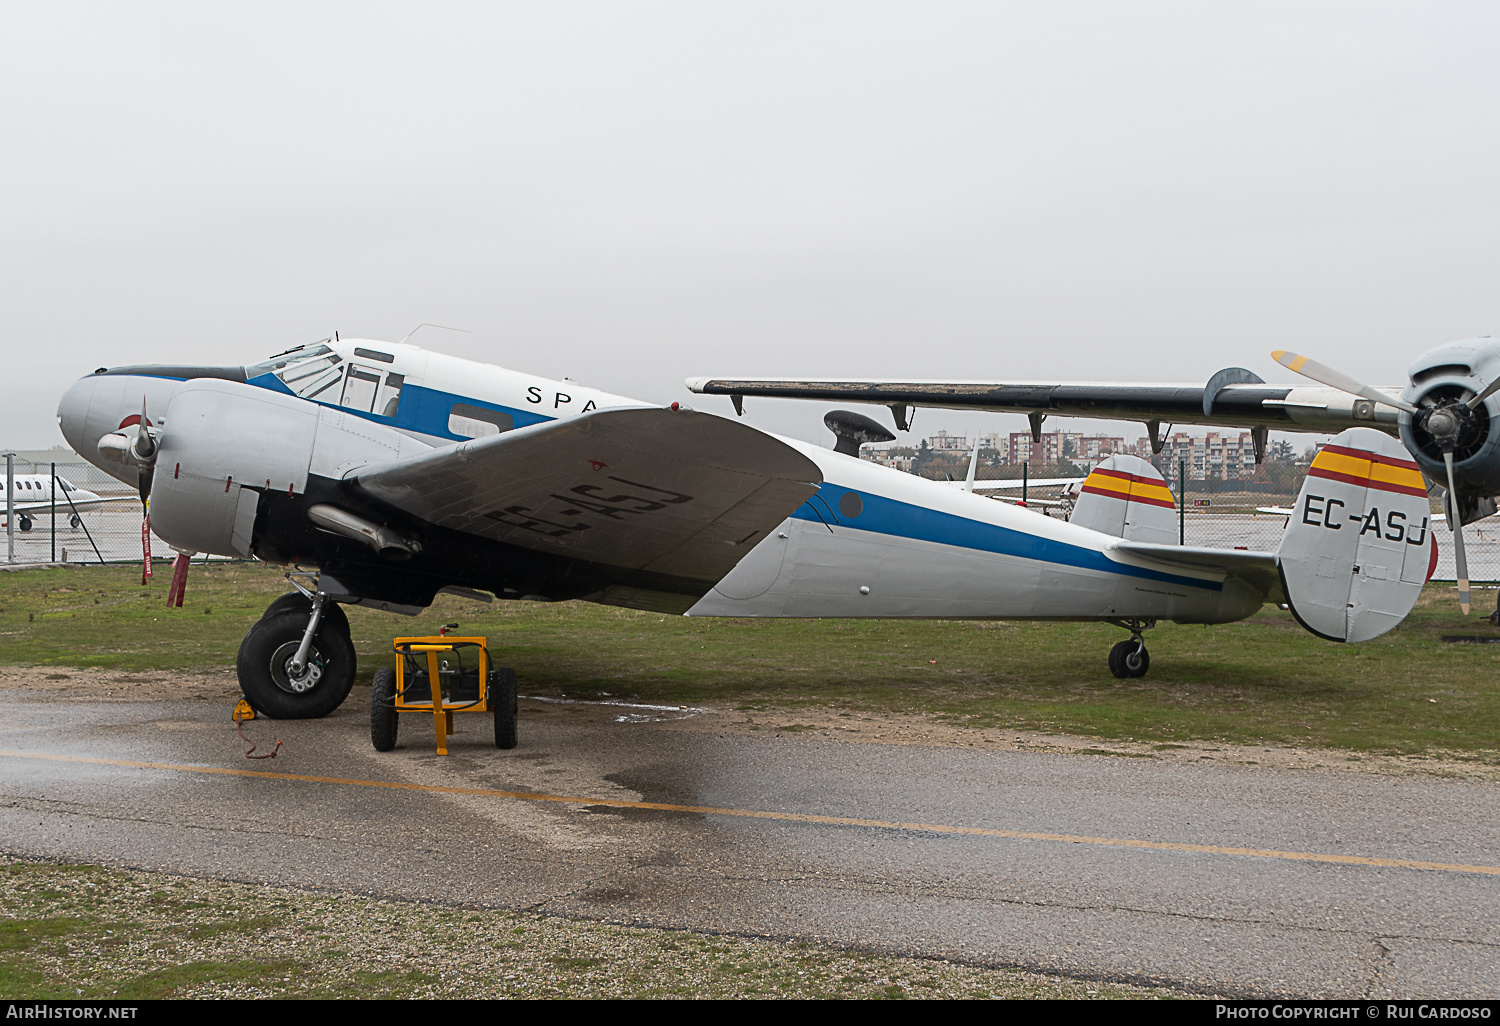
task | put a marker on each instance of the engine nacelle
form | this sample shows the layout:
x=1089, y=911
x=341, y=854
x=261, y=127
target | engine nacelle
x=1447, y=375
x=227, y=443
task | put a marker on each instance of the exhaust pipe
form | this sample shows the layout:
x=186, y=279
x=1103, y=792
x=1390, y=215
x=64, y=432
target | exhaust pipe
x=383, y=540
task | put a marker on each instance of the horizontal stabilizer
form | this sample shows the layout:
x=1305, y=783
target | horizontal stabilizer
x=1258, y=569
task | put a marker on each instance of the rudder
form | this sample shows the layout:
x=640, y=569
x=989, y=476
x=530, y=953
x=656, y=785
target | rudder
x=1127, y=497
x=1358, y=545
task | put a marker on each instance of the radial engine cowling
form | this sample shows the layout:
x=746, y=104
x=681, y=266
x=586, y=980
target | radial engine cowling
x=1441, y=380
x=225, y=445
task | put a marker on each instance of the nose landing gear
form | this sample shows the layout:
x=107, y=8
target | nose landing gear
x=1129, y=658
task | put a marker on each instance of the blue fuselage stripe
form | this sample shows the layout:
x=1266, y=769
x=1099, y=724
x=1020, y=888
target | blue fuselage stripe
x=881, y=515
x=423, y=410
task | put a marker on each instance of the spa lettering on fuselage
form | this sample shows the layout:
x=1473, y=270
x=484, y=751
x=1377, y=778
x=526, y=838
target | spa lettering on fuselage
x=559, y=399
x=1326, y=512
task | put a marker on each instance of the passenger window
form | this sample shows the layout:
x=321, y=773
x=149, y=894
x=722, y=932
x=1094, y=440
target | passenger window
x=476, y=422
x=360, y=386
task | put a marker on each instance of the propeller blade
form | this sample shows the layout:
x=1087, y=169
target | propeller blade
x=1461, y=564
x=1489, y=390
x=1333, y=379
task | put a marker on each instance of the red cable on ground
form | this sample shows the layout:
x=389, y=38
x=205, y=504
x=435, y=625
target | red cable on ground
x=240, y=726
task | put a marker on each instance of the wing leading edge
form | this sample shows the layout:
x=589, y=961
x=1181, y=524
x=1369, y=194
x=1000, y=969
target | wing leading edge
x=1235, y=404
x=666, y=502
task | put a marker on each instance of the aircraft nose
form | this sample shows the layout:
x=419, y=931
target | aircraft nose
x=73, y=415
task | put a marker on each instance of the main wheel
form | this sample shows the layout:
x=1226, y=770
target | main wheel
x=265, y=673
x=502, y=699
x=332, y=611
x=25, y=523
x=384, y=719
x=1129, y=659
x=75, y=521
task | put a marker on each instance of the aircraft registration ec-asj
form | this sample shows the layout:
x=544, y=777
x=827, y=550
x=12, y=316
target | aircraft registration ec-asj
x=399, y=473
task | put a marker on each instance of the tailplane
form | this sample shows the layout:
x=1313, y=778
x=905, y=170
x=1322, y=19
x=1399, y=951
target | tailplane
x=1358, y=546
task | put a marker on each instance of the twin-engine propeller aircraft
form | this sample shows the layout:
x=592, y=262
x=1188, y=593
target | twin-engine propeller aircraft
x=1445, y=416
x=400, y=473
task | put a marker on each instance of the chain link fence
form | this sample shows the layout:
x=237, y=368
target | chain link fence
x=1219, y=515
x=88, y=517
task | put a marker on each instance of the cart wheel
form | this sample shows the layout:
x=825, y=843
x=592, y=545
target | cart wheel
x=502, y=699
x=384, y=719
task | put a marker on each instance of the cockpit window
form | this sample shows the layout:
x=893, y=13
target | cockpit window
x=309, y=372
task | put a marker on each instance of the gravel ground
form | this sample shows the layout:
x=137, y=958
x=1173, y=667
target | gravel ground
x=86, y=931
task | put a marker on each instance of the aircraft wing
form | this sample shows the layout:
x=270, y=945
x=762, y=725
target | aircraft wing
x=1241, y=401
x=63, y=507
x=1259, y=569
x=659, y=504
x=1016, y=485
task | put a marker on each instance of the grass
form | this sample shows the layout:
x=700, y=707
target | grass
x=85, y=932
x=1261, y=681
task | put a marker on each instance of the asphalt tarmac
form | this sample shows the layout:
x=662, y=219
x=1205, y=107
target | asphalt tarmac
x=1232, y=879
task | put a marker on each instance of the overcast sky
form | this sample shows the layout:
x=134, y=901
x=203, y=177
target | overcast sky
x=631, y=193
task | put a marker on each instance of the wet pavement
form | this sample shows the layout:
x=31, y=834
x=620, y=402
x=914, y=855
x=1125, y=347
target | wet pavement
x=1211, y=919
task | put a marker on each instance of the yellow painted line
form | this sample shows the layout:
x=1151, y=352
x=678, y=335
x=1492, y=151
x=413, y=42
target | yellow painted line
x=790, y=817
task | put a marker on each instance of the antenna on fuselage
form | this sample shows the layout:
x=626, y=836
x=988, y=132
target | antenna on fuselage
x=424, y=324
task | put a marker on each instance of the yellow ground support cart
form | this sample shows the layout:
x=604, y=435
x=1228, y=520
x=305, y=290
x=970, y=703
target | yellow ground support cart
x=466, y=683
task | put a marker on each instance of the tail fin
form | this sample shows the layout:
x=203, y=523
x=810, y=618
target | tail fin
x=1358, y=546
x=1125, y=496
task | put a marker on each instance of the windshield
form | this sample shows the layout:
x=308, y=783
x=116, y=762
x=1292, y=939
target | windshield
x=308, y=372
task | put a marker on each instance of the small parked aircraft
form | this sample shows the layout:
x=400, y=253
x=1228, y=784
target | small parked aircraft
x=34, y=497
x=400, y=473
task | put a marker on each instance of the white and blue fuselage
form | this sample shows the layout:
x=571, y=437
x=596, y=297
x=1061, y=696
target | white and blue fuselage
x=872, y=542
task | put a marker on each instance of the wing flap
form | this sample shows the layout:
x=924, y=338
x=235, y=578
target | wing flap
x=655, y=494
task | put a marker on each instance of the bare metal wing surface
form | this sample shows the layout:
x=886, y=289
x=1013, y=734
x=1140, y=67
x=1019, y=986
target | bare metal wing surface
x=1240, y=401
x=673, y=498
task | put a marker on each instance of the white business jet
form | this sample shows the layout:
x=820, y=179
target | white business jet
x=34, y=496
x=399, y=473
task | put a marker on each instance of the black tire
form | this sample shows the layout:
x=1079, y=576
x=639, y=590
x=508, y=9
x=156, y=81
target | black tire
x=25, y=523
x=502, y=699
x=332, y=611
x=75, y=521
x=384, y=719
x=267, y=649
x=1129, y=659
